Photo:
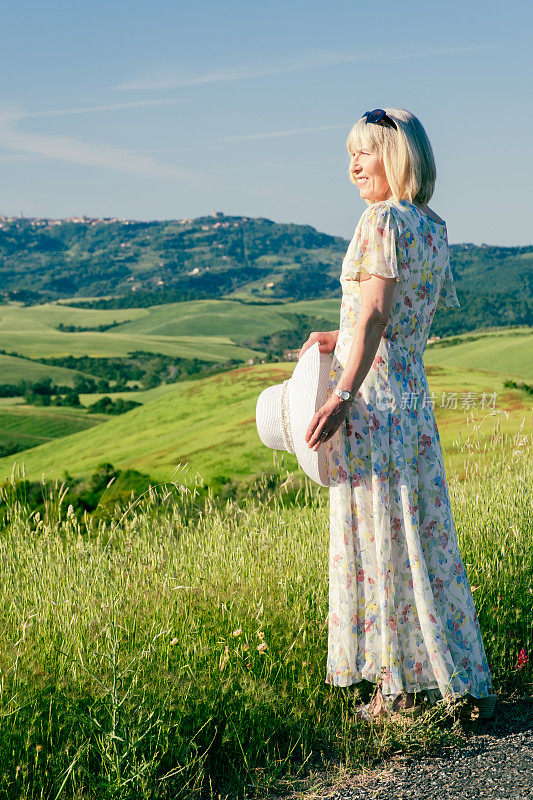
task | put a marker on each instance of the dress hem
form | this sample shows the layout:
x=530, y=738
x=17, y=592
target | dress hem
x=344, y=682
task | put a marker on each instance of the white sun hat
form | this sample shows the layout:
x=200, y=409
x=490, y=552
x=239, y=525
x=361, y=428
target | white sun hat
x=284, y=412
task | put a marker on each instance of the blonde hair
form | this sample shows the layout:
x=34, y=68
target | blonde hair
x=406, y=154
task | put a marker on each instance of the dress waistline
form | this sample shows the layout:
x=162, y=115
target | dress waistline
x=350, y=286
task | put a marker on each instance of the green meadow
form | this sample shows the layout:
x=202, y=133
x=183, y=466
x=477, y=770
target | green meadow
x=165, y=634
x=502, y=353
x=174, y=648
x=207, y=329
x=33, y=332
x=213, y=330
x=14, y=369
x=30, y=426
x=177, y=651
x=208, y=425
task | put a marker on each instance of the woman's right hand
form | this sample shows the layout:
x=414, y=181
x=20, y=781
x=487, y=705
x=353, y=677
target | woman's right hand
x=326, y=342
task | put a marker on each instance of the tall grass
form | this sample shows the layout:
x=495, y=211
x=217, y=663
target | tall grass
x=179, y=650
x=492, y=510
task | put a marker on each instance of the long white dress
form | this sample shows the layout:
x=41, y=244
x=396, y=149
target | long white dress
x=401, y=610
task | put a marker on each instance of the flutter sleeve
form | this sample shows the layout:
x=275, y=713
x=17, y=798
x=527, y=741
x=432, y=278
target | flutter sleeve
x=372, y=250
x=448, y=295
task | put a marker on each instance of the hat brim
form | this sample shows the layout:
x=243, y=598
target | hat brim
x=268, y=415
x=307, y=392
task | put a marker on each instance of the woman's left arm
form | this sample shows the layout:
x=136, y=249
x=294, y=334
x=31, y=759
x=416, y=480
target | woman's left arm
x=376, y=302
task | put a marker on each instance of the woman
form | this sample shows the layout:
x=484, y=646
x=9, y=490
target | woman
x=401, y=611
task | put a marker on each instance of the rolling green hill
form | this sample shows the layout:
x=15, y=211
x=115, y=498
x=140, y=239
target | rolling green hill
x=32, y=331
x=502, y=353
x=213, y=330
x=13, y=370
x=26, y=426
x=210, y=318
x=208, y=425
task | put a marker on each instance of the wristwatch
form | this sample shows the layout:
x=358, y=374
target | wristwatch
x=343, y=394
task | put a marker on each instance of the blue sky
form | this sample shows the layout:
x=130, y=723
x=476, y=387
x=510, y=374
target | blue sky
x=171, y=109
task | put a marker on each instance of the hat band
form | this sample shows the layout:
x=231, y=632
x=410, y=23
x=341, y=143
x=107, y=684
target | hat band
x=285, y=418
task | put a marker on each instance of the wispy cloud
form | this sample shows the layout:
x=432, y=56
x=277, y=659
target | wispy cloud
x=174, y=79
x=291, y=132
x=18, y=113
x=15, y=157
x=65, y=148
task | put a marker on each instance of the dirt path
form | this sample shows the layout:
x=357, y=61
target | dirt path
x=496, y=763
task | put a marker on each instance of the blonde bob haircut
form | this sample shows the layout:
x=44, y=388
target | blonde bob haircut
x=406, y=154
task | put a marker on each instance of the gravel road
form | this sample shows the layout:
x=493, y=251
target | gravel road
x=495, y=763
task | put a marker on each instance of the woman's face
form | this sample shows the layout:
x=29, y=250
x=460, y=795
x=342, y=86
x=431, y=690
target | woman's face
x=369, y=174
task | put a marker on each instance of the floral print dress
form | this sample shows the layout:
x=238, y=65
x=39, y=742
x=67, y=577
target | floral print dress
x=401, y=610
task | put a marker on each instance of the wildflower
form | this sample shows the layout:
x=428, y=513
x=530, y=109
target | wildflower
x=261, y=635
x=249, y=665
x=304, y=663
x=262, y=647
x=523, y=659
x=226, y=649
x=174, y=641
x=38, y=747
x=237, y=632
x=246, y=646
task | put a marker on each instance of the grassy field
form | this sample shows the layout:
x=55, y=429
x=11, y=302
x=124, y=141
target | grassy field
x=213, y=330
x=209, y=427
x=32, y=331
x=30, y=426
x=211, y=318
x=503, y=353
x=208, y=329
x=48, y=343
x=13, y=370
x=179, y=651
x=208, y=424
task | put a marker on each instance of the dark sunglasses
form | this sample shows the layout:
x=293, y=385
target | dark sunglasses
x=379, y=117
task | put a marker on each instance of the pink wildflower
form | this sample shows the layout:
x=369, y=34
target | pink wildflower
x=523, y=659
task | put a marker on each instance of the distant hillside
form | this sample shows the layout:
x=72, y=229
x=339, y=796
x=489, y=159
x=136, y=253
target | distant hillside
x=141, y=264
x=205, y=257
x=209, y=427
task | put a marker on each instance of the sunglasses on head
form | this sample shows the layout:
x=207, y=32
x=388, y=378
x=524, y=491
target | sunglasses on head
x=379, y=117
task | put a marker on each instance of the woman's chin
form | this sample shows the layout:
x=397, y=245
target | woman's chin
x=370, y=198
